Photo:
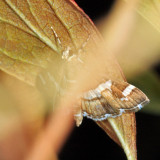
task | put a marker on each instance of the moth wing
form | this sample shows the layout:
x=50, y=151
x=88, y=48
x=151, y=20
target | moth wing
x=111, y=99
x=99, y=109
x=127, y=97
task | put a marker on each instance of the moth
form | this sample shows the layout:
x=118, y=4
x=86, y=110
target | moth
x=110, y=99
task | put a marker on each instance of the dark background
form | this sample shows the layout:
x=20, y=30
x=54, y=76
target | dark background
x=89, y=142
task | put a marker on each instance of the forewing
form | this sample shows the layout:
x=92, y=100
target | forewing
x=111, y=99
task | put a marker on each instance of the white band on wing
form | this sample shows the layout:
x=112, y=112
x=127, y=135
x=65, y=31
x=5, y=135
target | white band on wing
x=128, y=90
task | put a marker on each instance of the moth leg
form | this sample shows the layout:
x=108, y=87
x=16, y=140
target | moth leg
x=78, y=116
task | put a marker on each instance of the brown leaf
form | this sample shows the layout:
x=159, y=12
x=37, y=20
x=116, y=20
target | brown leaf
x=35, y=32
x=123, y=132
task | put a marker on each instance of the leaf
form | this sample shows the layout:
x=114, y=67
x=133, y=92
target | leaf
x=141, y=51
x=118, y=25
x=123, y=132
x=35, y=32
x=150, y=11
x=131, y=33
x=20, y=49
x=146, y=32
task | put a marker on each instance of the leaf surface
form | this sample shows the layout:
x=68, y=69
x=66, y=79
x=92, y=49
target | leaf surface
x=150, y=11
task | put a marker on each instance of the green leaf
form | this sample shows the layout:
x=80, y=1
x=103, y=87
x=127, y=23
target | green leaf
x=149, y=83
